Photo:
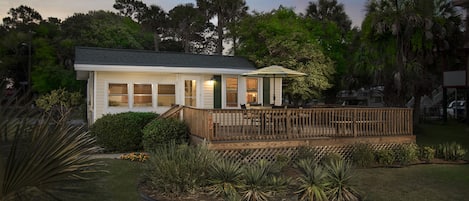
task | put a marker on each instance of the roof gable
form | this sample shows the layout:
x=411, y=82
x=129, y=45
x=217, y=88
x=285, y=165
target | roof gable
x=124, y=57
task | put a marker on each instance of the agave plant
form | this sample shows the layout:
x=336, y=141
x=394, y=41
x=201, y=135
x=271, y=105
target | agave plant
x=339, y=181
x=312, y=181
x=225, y=176
x=256, y=185
x=41, y=160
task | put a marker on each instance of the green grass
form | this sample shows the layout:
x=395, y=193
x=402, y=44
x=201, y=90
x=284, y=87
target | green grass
x=118, y=183
x=438, y=133
x=420, y=182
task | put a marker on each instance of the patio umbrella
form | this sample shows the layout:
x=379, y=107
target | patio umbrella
x=274, y=72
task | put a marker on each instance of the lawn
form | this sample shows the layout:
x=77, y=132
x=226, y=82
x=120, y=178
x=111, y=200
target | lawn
x=418, y=182
x=118, y=183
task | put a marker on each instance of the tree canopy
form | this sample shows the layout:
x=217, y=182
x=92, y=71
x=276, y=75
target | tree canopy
x=281, y=38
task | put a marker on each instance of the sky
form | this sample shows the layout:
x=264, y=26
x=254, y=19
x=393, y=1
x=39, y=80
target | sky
x=66, y=8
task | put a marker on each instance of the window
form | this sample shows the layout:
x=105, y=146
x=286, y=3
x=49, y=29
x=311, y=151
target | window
x=142, y=95
x=166, y=94
x=252, y=90
x=118, y=95
x=231, y=92
x=190, y=93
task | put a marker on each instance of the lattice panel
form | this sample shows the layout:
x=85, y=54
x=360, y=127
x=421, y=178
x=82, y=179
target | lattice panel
x=271, y=154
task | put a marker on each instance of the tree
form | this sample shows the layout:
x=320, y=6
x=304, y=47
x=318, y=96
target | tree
x=21, y=17
x=415, y=32
x=282, y=38
x=225, y=11
x=187, y=23
x=329, y=10
x=130, y=8
x=154, y=19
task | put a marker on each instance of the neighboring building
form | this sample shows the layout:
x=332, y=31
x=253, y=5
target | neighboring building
x=372, y=97
x=135, y=80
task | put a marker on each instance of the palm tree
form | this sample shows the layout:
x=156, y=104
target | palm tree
x=329, y=10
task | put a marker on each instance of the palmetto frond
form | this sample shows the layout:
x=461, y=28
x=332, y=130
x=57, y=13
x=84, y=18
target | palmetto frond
x=42, y=159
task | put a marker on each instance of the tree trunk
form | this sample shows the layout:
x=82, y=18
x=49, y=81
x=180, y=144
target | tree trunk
x=156, y=41
x=220, y=26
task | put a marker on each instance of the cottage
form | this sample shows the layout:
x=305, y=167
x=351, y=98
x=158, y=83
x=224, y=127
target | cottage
x=137, y=80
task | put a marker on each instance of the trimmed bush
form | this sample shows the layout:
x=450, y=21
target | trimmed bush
x=406, y=153
x=385, y=157
x=363, y=155
x=163, y=131
x=427, y=154
x=121, y=132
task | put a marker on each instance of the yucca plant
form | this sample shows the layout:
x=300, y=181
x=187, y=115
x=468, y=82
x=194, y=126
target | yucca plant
x=339, y=187
x=179, y=169
x=225, y=178
x=40, y=159
x=312, y=181
x=255, y=184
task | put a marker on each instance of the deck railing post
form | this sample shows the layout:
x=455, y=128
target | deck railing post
x=211, y=130
x=354, y=122
x=288, y=124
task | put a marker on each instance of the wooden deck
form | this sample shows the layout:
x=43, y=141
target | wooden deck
x=257, y=128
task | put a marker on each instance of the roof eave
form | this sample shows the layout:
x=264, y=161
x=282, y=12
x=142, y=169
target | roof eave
x=158, y=69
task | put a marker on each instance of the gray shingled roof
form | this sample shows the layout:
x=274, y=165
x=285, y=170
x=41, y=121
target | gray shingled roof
x=125, y=57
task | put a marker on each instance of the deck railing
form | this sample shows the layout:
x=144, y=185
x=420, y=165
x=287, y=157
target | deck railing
x=278, y=124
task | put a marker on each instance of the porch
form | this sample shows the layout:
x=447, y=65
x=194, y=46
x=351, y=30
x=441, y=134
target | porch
x=240, y=129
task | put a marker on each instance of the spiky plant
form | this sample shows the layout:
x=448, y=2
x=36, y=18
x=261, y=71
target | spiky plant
x=312, y=181
x=255, y=185
x=40, y=159
x=225, y=176
x=339, y=186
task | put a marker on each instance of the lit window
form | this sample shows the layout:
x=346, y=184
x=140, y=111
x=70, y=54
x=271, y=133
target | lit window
x=231, y=92
x=166, y=94
x=142, y=95
x=118, y=95
x=252, y=90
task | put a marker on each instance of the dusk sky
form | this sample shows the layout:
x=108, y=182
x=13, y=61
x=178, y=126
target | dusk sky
x=66, y=8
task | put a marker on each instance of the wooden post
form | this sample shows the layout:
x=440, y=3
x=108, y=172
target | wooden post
x=288, y=124
x=210, y=133
x=354, y=122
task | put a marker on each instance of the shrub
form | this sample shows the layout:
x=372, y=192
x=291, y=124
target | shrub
x=450, y=151
x=178, y=169
x=426, y=154
x=339, y=181
x=312, y=181
x=406, y=153
x=385, y=157
x=59, y=103
x=225, y=177
x=305, y=153
x=162, y=131
x=362, y=155
x=121, y=132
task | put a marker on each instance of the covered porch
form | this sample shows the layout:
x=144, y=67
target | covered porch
x=235, y=129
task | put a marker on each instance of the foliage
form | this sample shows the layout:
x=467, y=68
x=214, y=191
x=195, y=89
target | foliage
x=329, y=10
x=45, y=160
x=312, y=181
x=426, y=153
x=339, y=186
x=121, y=132
x=385, y=157
x=179, y=169
x=162, y=131
x=330, y=157
x=363, y=155
x=225, y=178
x=406, y=153
x=282, y=38
x=305, y=153
x=256, y=182
x=135, y=156
x=187, y=23
x=450, y=151
x=59, y=103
